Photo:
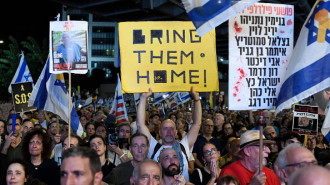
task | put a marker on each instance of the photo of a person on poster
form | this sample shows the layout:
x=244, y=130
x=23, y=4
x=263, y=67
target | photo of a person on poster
x=69, y=51
x=304, y=123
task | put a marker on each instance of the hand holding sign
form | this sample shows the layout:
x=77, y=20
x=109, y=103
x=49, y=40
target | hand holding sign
x=147, y=94
x=194, y=95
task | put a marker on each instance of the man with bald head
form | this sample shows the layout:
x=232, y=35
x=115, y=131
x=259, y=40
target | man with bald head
x=167, y=132
x=292, y=158
x=269, y=132
x=311, y=175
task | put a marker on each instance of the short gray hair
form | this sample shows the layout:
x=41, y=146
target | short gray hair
x=137, y=168
x=282, y=156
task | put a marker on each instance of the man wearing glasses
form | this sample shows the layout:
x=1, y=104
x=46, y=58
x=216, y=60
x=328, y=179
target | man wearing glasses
x=205, y=136
x=291, y=158
x=247, y=169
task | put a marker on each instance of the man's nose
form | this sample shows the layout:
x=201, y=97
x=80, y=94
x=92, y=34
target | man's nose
x=13, y=176
x=151, y=181
x=70, y=180
x=266, y=150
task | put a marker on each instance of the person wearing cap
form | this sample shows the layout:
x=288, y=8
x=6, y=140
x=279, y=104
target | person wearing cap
x=247, y=169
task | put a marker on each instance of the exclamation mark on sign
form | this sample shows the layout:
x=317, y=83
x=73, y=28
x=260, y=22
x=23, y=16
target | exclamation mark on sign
x=204, y=78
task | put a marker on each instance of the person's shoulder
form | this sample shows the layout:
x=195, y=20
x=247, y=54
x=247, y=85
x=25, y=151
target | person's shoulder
x=50, y=163
x=232, y=166
x=124, y=165
x=230, y=169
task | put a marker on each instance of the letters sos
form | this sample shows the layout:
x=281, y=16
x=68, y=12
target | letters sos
x=22, y=98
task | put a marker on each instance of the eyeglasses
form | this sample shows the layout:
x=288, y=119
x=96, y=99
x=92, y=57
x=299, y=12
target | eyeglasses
x=302, y=164
x=213, y=151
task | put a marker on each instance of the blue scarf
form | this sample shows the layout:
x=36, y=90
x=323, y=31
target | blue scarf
x=177, y=148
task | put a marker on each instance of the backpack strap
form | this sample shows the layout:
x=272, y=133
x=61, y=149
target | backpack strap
x=157, y=147
x=200, y=174
x=184, y=151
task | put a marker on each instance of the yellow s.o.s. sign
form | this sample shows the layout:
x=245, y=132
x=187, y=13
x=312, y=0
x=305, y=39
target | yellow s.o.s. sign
x=166, y=57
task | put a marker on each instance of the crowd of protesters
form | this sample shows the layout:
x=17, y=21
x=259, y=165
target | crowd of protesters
x=183, y=146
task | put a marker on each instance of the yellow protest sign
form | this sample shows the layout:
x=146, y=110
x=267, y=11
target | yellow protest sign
x=166, y=57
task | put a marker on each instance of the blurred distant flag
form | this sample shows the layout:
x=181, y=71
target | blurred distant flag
x=326, y=123
x=309, y=67
x=50, y=94
x=118, y=105
x=207, y=14
x=159, y=97
x=172, y=103
x=94, y=100
x=137, y=98
x=183, y=97
x=88, y=102
x=22, y=73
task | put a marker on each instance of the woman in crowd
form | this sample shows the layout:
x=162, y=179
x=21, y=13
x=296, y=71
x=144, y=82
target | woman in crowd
x=18, y=173
x=2, y=131
x=172, y=117
x=181, y=126
x=210, y=173
x=83, y=121
x=37, y=151
x=90, y=130
x=101, y=130
x=98, y=144
x=321, y=142
x=228, y=131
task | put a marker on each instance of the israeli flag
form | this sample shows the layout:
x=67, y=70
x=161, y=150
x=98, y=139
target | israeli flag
x=159, y=97
x=208, y=14
x=22, y=73
x=183, y=97
x=137, y=98
x=51, y=95
x=309, y=67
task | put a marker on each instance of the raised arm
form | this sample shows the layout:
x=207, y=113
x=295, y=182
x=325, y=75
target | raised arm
x=141, y=115
x=197, y=118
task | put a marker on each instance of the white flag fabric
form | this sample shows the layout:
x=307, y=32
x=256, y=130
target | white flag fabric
x=207, y=14
x=118, y=105
x=309, y=68
x=50, y=94
x=22, y=73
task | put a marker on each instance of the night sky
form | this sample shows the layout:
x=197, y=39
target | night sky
x=27, y=18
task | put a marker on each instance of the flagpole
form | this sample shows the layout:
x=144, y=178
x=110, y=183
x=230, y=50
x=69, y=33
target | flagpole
x=261, y=143
x=69, y=134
